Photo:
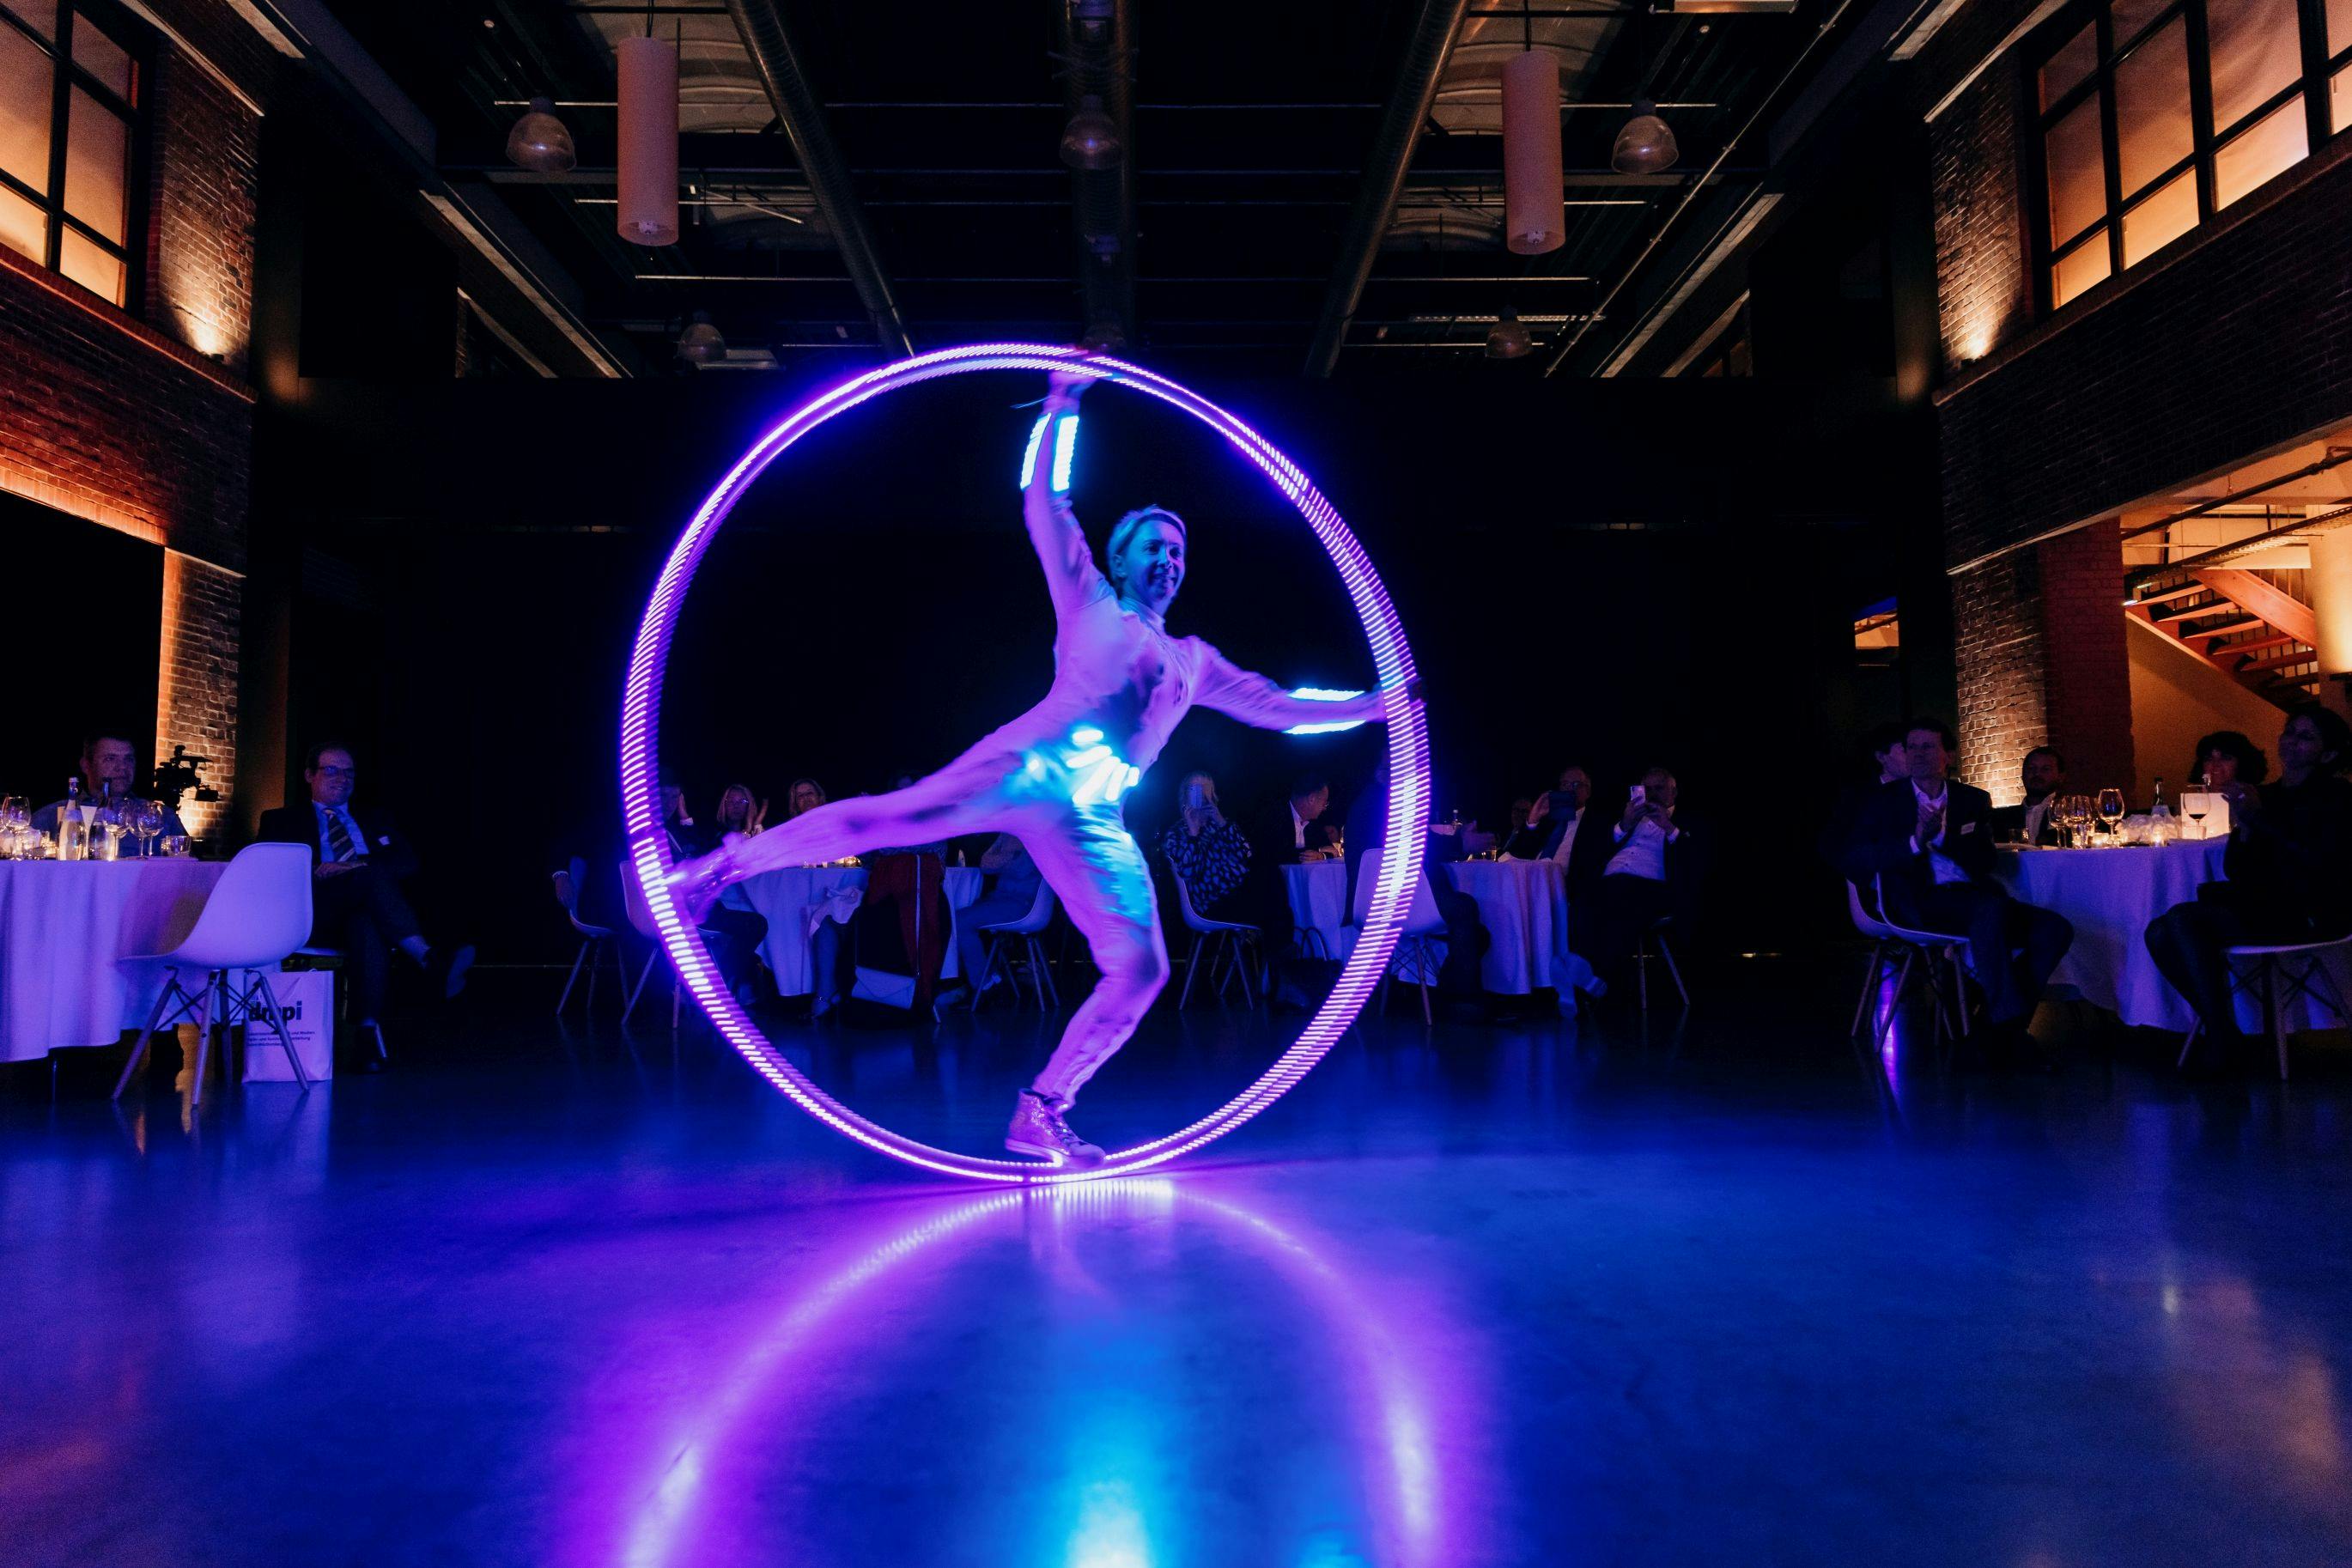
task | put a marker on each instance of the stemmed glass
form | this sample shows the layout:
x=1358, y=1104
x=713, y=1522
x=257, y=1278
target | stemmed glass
x=2194, y=805
x=16, y=821
x=2111, y=809
x=146, y=819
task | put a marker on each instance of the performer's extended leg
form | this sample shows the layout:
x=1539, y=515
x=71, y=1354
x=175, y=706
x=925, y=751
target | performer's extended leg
x=1099, y=871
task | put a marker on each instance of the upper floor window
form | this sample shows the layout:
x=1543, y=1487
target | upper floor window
x=71, y=91
x=2156, y=114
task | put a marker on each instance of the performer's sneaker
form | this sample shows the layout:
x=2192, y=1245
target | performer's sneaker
x=1038, y=1129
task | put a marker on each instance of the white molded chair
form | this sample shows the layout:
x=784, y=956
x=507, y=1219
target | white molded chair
x=593, y=938
x=1936, y=947
x=1014, y=946
x=258, y=915
x=1228, y=943
x=641, y=916
x=1421, y=945
x=2302, y=965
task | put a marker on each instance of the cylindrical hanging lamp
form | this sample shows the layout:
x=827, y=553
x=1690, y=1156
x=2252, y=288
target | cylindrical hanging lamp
x=1533, y=199
x=648, y=208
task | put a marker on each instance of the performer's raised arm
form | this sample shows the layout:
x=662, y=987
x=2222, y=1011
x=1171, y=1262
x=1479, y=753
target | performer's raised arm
x=1254, y=700
x=1070, y=572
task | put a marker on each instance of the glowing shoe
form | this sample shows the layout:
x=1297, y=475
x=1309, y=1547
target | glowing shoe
x=1038, y=1129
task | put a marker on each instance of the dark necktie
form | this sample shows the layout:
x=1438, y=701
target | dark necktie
x=338, y=838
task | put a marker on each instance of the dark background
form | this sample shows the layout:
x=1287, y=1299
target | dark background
x=1616, y=574
x=94, y=667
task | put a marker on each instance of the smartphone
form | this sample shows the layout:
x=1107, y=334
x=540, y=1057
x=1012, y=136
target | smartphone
x=1559, y=801
x=1641, y=797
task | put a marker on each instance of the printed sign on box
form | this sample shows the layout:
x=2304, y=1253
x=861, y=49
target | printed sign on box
x=309, y=999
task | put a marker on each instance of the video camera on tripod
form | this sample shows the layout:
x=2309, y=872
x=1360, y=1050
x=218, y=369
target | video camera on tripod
x=177, y=775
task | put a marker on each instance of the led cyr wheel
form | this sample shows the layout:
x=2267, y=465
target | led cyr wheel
x=1408, y=752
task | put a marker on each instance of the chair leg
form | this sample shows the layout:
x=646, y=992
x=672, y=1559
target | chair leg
x=1191, y=972
x=2277, y=1010
x=2189, y=1043
x=630, y=1006
x=1870, y=979
x=1246, y=959
x=1902, y=984
x=574, y=978
x=138, y=1051
x=1674, y=973
x=278, y=1022
x=1641, y=973
x=204, y=1039
x=990, y=953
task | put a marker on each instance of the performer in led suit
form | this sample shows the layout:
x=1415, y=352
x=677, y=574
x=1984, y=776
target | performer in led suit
x=1053, y=777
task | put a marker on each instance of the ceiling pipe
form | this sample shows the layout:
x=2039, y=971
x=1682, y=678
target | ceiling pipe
x=1408, y=104
x=777, y=63
x=1096, y=41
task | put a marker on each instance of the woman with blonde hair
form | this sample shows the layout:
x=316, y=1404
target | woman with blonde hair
x=1202, y=846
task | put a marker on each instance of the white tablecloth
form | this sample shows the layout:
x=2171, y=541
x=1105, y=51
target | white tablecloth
x=790, y=897
x=2111, y=895
x=63, y=924
x=1318, y=900
x=1522, y=903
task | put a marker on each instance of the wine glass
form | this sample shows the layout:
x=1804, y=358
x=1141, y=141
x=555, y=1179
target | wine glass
x=147, y=822
x=16, y=818
x=2111, y=809
x=2194, y=805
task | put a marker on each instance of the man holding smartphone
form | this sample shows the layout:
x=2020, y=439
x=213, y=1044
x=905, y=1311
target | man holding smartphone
x=1648, y=865
x=1553, y=819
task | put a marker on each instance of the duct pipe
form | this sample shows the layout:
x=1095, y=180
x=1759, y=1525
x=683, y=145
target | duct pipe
x=1409, y=102
x=1095, y=39
x=1534, y=194
x=648, y=206
x=762, y=29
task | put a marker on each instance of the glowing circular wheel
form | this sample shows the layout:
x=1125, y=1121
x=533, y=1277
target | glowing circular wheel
x=1408, y=745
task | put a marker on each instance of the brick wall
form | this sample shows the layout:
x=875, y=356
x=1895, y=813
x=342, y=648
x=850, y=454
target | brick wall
x=2087, y=664
x=196, y=683
x=140, y=420
x=1997, y=627
x=1984, y=292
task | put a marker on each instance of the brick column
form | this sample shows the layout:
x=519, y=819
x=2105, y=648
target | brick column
x=197, y=681
x=2086, y=668
x=1998, y=642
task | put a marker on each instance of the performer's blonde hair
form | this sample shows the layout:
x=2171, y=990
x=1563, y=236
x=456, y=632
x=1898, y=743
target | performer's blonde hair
x=1124, y=530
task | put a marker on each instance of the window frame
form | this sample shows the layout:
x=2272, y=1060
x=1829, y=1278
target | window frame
x=65, y=74
x=2207, y=140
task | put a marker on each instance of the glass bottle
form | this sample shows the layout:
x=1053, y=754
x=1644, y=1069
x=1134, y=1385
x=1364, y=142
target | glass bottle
x=73, y=825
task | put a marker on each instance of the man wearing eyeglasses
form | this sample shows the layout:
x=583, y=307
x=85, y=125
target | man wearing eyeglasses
x=358, y=861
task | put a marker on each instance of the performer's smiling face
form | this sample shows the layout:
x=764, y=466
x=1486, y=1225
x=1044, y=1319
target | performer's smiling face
x=1149, y=566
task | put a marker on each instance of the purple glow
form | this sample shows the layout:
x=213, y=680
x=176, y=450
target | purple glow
x=1408, y=743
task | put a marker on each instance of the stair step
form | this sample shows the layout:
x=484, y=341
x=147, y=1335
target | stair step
x=2276, y=662
x=2226, y=629
x=2166, y=596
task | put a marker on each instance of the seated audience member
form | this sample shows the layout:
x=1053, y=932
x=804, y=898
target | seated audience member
x=739, y=812
x=738, y=929
x=109, y=770
x=1928, y=844
x=1466, y=937
x=806, y=795
x=359, y=859
x=2289, y=869
x=1516, y=817
x=1010, y=892
x=2043, y=775
x=1645, y=868
x=1549, y=832
x=2226, y=757
x=1295, y=831
x=1205, y=847
x=1888, y=762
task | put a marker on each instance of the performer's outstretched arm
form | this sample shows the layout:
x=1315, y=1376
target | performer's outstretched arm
x=1071, y=575
x=1253, y=699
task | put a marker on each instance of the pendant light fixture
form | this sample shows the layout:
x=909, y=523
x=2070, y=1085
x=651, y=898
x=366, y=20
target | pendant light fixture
x=1535, y=208
x=540, y=143
x=1090, y=140
x=701, y=343
x=1508, y=338
x=1647, y=143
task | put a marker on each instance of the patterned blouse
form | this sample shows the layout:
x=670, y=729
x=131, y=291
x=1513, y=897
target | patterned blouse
x=1212, y=862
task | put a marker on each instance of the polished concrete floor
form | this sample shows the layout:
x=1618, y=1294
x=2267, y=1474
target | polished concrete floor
x=1513, y=1294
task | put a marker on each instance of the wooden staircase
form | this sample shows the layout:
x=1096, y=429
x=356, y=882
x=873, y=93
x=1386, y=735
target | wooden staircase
x=2239, y=622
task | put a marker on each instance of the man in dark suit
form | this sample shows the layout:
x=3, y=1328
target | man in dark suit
x=358, y=862
x=1928, y=844
x=1625, y=876
x=1889, y=761
x=1284, y=834
x=1553, y=818
x=2043, y=775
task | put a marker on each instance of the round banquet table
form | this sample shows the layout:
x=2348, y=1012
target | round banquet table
x=1318, y=901
x=795, y=896
x=2111, y=895
x=1524, y=906
x=63, y=926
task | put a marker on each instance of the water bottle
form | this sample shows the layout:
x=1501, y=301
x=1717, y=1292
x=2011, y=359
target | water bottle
x=73, y=825
x=2162, y=829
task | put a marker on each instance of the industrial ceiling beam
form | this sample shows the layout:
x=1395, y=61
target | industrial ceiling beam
x=1408, y=101
x=1097, y=46
x=777, y=63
